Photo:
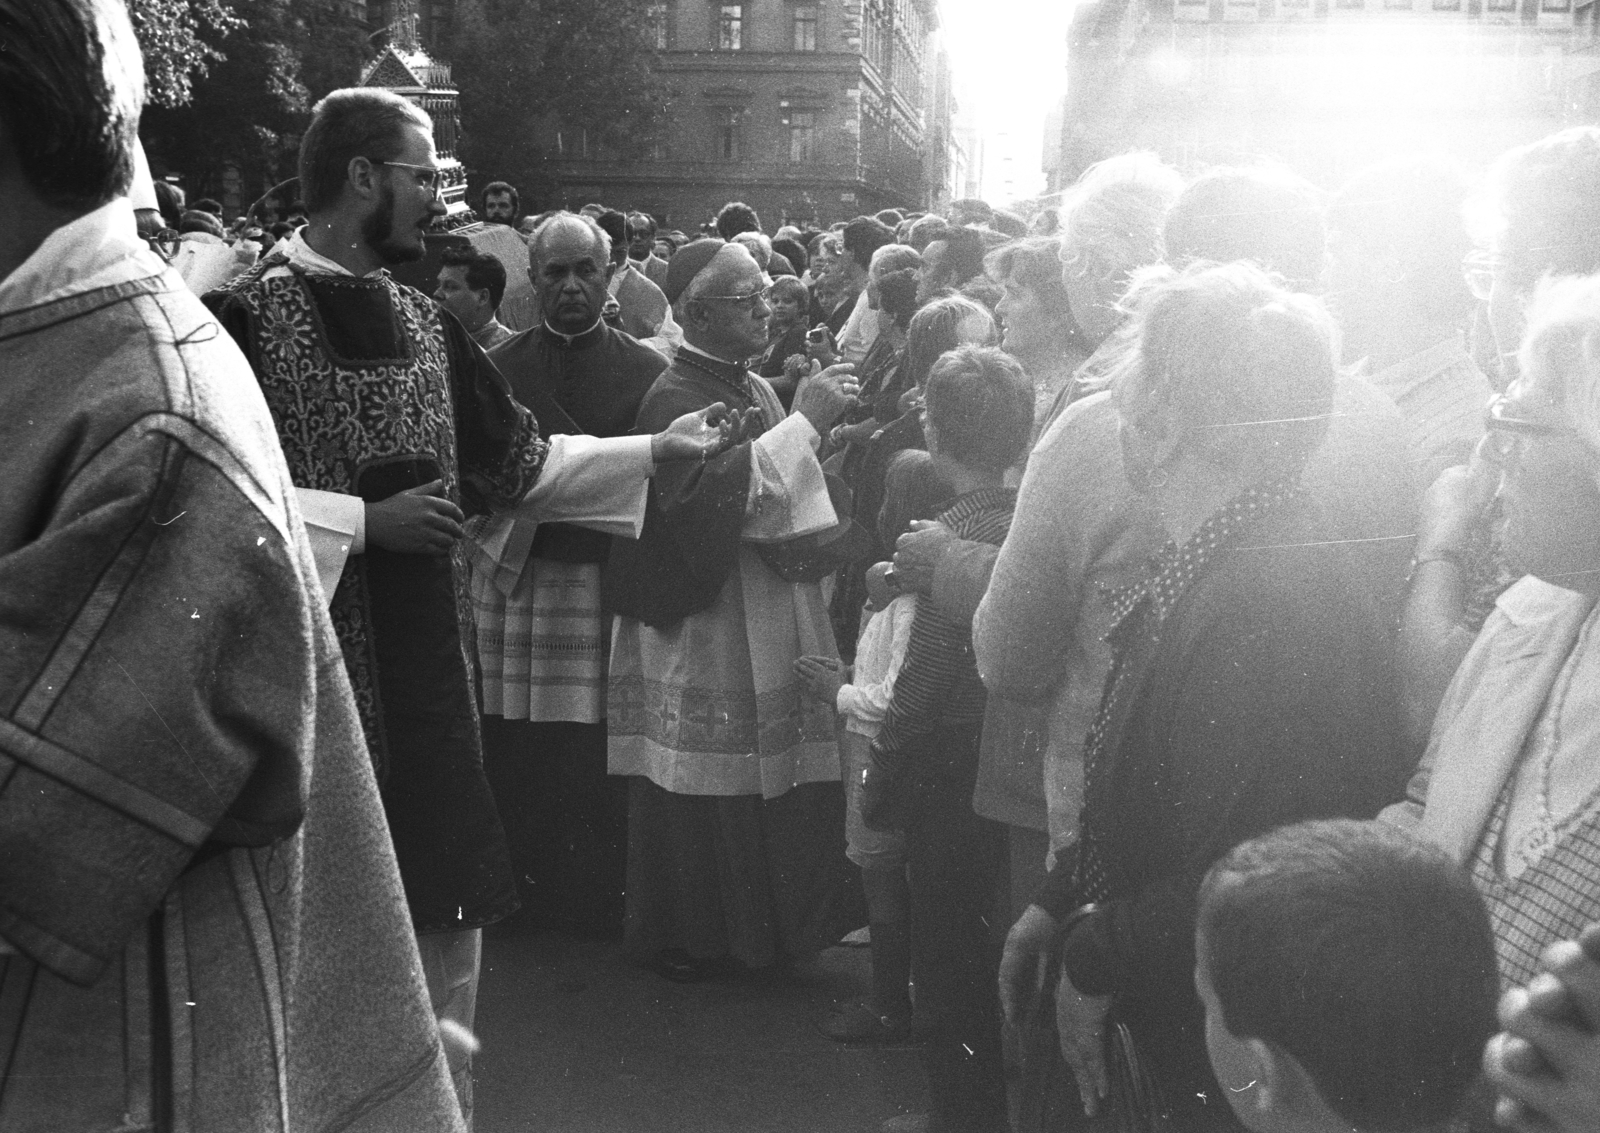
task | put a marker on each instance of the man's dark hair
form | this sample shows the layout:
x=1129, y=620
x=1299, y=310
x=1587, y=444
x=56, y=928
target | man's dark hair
x=1411, y=209
x=1365, y=954
x=641, y=224
x=484, y=271
x=1266, y=214
x=792, y=251
x=965, y=250
x=195, y=220
x=863, y=236
x=169, y=200
x=897, y=295
x=736, y=217
x=615, y=225
x=206, y=204
x=351, y=123
x=71, y=90
x=981, y=403
x=502, y=189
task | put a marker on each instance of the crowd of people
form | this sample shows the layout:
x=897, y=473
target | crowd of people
x=1164, y=624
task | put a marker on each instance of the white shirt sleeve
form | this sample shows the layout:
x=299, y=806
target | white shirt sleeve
x=859, y=332
x=869, y=702
x=594, y=482
x=788, y=496
x=336, y=525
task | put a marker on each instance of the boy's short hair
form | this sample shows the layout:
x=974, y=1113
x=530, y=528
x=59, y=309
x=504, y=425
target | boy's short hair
x=790, y=287
x=1362, y=952
x=863, y=236
x=981, y=403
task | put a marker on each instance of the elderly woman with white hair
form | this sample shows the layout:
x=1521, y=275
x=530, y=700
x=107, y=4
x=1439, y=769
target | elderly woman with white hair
x=1079, y=530
x=1251, y=681
x=1510, y=784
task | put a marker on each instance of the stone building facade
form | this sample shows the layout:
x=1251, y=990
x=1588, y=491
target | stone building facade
x=1326, y=86
x=808, y=110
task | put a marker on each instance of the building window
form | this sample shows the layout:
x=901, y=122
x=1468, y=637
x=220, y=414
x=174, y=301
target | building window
x=1447, y=5
x=1501, y=5
x=730, y=27
x=1355, y=5
x=726, y=141
x=656, y=22
x=805, y=27
x=802, y=135
x=1555, y=5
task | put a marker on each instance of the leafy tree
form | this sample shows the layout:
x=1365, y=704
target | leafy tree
x=175, y=54
x=249, y=109
x=530, y=70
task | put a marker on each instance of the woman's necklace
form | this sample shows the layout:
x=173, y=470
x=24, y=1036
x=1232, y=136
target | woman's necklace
x=1540, y=838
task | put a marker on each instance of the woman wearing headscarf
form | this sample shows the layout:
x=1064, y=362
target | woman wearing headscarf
x=1251, y=680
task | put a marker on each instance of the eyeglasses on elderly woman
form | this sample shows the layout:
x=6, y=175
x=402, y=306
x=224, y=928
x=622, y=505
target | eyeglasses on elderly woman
x=1506, y=429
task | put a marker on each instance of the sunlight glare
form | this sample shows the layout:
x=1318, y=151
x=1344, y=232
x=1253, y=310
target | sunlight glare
x=1009, y=58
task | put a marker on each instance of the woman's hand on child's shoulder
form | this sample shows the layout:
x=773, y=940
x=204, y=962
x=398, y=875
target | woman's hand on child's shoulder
x=880, y=589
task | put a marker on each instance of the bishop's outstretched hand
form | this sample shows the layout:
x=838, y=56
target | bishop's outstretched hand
x=705, y=433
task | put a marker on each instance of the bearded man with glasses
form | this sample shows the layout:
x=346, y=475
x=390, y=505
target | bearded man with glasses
x=395, y=425
x=735, y=811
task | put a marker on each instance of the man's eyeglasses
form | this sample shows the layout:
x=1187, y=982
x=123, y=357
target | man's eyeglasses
x=427, y=176
x=764, y=295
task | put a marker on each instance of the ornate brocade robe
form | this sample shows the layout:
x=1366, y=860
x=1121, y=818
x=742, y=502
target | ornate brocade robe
x=374, y=390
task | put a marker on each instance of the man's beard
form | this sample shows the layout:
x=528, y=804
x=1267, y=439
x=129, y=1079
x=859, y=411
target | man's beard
x=377, y=231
